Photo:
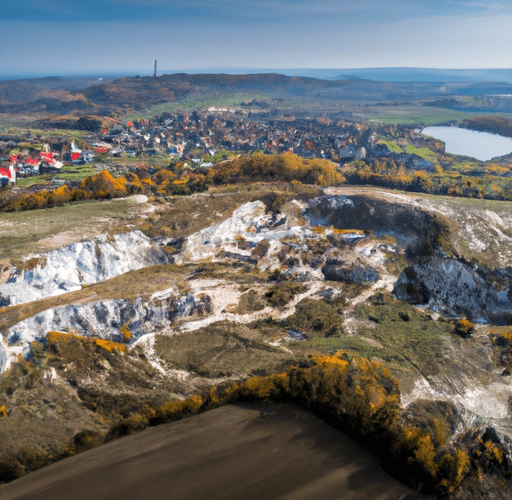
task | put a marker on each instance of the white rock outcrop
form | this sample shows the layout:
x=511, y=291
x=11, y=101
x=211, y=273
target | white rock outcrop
x=249, y=222
x=85, y=262
x=102, y=319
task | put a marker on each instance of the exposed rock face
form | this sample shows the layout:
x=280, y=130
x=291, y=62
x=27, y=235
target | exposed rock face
x=407, y=224
x=103, y=319
x=336, y=271
x=250, y=222
x=237, y=236
x=85, y=262
x=454, y=288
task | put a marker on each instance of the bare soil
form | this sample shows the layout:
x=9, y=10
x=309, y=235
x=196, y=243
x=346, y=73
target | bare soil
x=248, y=452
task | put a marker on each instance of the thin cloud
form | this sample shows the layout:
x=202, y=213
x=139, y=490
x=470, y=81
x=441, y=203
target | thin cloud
x=485, y=7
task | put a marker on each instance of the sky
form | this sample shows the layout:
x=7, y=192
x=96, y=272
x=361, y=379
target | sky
x=53, y=37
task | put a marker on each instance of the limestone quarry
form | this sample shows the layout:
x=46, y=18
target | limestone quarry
x=378, y=261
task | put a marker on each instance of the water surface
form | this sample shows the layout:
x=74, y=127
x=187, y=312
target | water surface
x=480, y=145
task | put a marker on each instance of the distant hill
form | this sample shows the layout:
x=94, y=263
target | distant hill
x=90, y=95
x=403, y=74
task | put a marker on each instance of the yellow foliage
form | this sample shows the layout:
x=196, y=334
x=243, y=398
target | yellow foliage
x=54, y=337
x=456, y=467
x=425, y=454
x=183, y=180
x=441, y=431
x=493, y=453
x=464, y=327
x=148, y=412
x=36, y=346
x=125, y=332
x=110, y=346
x=259, y=387
x=174, y=410
x=3, y=411
x=334, y=360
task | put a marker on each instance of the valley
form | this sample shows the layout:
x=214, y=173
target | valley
x=163, y=257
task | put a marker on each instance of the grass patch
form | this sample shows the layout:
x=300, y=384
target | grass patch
x=422, y=152
x=314, y=318
x=414, y=115
x=71, y=174
x=22, y=232
x=406, y=333
x=392, y=146
x=406, y=339
x=222, y=350
x=199, y=101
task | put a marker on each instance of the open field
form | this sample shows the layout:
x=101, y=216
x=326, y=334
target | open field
x=72, y=173
x=413, y=114
x=202, y=101
x=241, y=451
x=22, y=233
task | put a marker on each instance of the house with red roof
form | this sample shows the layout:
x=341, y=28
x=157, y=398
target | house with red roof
x=9, y=174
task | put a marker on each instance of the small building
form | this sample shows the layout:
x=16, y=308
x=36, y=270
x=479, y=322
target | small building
x=9, y=174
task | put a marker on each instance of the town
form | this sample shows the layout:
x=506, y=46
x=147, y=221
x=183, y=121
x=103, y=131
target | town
x=204, y=138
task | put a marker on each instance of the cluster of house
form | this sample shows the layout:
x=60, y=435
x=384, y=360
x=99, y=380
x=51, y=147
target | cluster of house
x=199, y=135
x=194, y=136
x=7, y=175
x=50, y=160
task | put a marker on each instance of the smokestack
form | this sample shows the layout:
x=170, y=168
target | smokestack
x=155, y=69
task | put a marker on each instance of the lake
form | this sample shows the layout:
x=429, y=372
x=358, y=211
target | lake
x=480, y=145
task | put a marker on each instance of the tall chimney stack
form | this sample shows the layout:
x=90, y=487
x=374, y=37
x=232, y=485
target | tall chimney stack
x=155, y=69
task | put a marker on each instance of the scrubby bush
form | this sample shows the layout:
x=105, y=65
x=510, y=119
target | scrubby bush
x=10, y=469
x=261, y=249
x=175, y=410
x=125, y=332
x=85, y=440
x=464, y=327
x=284, y=167
x=279, y=294
x=314, y=318
x=33, y=458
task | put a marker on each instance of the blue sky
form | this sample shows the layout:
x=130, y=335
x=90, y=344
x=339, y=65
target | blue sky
x=57, y=37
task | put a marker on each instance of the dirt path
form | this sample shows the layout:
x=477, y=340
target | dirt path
x=226, y=295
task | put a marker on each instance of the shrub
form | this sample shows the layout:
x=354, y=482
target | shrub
x=314, y=317
x=464, y=328
x=110, y=346
x=261, y=249
x=175, y=410
x=125, y=332
x=85, y=440
x=10, y=469
x=33, y=459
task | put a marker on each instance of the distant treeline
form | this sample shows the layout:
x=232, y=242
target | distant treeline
x=385, y=173
x=182, y=181
x=286, y=167
x=492, y=124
